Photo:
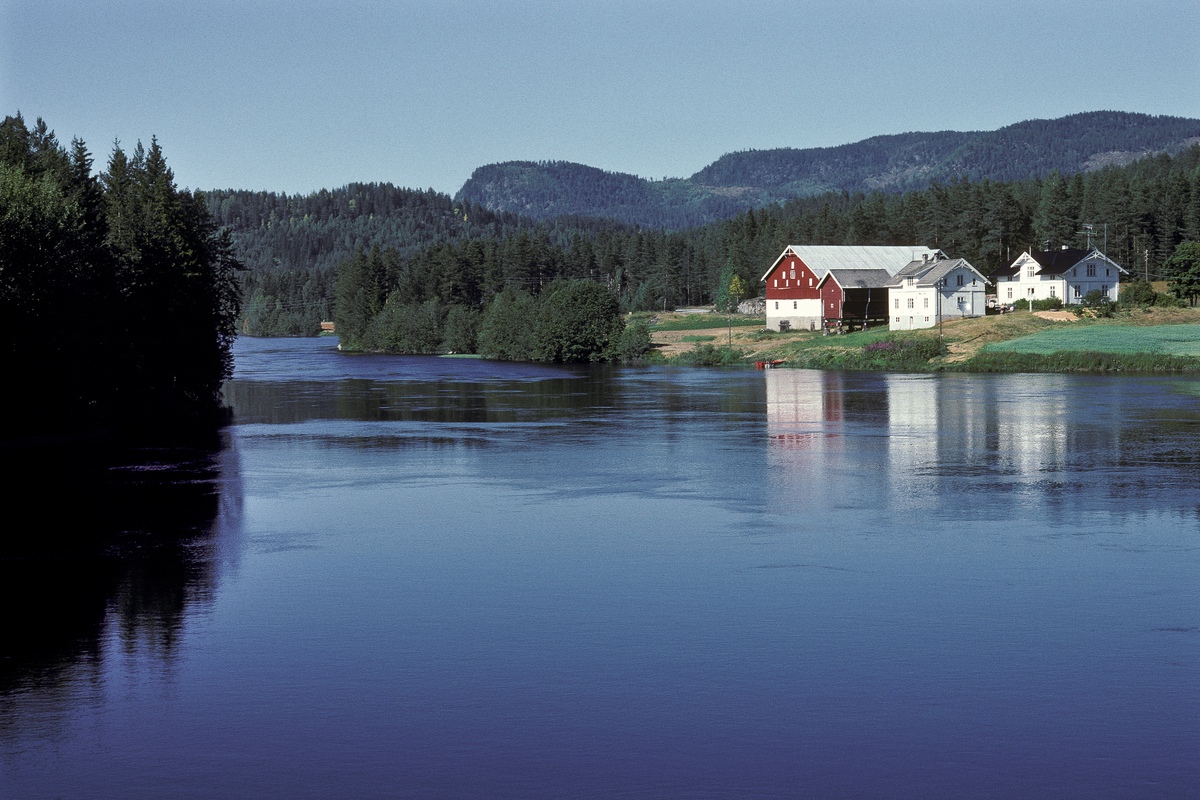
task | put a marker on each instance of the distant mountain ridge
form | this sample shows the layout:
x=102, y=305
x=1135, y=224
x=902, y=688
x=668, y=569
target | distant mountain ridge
x=892, y=163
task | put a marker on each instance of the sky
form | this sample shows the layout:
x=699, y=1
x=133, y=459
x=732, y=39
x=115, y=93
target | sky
x=310, y=94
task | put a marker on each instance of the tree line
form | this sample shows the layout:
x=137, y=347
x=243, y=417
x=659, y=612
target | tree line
x=118, y=292
x=1139, y=214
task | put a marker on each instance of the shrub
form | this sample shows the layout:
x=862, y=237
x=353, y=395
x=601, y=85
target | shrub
x=706, y=355
x=900, y=353
x=1048, y=304
x=406, y=328
x=575, y=322
x=462, y=330
x=633, y=341
x=1096, y=304
x=506, y=330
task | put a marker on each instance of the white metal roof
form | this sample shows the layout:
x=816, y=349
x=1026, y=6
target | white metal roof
x=821, y=258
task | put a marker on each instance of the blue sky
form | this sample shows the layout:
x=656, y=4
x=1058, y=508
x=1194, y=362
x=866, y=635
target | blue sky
x=314, y=93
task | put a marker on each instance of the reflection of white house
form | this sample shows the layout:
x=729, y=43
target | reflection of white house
x=793, y=299
x=1066, y=274
x=932, y=289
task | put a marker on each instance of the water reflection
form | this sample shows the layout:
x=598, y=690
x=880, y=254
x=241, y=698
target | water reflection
x=128, y=547
x=1017, y=444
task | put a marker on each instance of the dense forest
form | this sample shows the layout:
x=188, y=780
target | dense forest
x=118, y=292
x=292, y=244
x=896, y=163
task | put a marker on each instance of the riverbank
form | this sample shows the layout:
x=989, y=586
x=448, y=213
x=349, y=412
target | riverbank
x=1138, y=340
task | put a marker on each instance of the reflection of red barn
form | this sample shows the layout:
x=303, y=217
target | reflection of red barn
x=793, y=299
x=854, y=298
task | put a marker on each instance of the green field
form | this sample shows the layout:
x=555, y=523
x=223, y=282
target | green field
x=1171, y=340
x=692, y=322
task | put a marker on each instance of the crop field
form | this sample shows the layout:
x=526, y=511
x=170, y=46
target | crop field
x=1171, y=340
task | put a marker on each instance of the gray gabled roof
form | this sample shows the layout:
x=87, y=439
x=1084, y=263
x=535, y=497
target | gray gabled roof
x=858, y=278
x=928, y=273
x=820, y=258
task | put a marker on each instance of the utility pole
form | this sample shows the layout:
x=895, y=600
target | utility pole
x=940, y=285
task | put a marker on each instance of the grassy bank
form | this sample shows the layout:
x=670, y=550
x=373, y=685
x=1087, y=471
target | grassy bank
x=1154, y=340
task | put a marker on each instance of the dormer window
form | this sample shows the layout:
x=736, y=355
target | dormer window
x=1029, y=271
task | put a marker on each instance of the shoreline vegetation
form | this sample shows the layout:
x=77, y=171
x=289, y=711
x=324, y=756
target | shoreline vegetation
x=1136, y=340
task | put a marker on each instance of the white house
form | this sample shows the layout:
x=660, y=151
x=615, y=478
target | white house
x=930, y=290
x=1066, y=274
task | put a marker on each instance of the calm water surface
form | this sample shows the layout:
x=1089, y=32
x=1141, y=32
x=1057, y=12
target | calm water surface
x=430, y=577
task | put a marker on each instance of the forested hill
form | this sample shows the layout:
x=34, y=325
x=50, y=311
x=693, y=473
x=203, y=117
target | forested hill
x=291, y=245
x=895, y=163
x=278, y=232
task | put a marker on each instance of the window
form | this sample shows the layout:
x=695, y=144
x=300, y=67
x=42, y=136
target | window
x=1104, y=289
x=926, y=302
x=897, y=319
x=1091, y=270
x=1074, y=272
x=793, y=305
x=897, y=306
x=1029, y=271
x=910, y=302
x=1052, y=291
x=972, y=281
x=1078, y=294
x=810, y=281
x=1031, y=291
x=776, y=305
x=793, y=274
x=1010, y=293
x=927, y=319
x=961, y=279
x=777, y=283
x=1106, y=274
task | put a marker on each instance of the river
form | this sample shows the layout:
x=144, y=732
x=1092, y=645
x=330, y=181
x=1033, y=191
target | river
x=433, y=577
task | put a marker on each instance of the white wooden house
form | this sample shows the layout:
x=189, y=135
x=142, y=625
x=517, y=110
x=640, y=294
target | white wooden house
x=930, y=290
x=1066, y=274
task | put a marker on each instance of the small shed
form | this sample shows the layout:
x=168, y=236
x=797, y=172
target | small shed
x=853, y=298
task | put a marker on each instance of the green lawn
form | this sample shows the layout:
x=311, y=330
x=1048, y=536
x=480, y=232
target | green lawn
x=1173, y=340
x=691, y=322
